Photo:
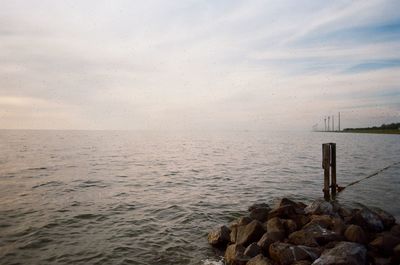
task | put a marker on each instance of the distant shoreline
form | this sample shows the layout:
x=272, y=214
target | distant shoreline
x=372, y=131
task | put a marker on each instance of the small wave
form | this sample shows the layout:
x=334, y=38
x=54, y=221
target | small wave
x=50, y=183
x=37, y=168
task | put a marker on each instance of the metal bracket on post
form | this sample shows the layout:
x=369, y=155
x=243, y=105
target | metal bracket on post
x=329, y=166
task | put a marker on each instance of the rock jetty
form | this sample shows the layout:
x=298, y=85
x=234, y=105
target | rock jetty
x=322, y=233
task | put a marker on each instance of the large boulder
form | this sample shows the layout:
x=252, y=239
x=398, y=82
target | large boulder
x=344, y=253
x=368, y=220
x=313, y=236
x=289, y=225
x=219, y=237
x=259, y=211
x=387, y=219
x=396, y=255
x=319, y=207
x=266, y=240
x=324, y=221
x=384, y=243
x=355, y=233
x=259, y=260
x=286, y=254
x=395, y=230
x=249, y=233
x=234, y=255
x=252, y=250
x=276, y=228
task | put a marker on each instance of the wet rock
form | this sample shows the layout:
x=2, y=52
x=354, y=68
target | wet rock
x=249, y=233
x=368, y=220
x=259, y=260
x=387, y=219
x=233, y=234
x=319, y=207
x=219, y=237
x=286, y=254
x=287, y=202
x=259, y=212
x=284, y=212
x=300, y=219
x=252, y=250
x=234, y=255
x=384, y=243
x=355, y=233
x=313, y=236
x=344, y=253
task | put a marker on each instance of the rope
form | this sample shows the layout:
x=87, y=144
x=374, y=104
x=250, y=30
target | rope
x=367, y=177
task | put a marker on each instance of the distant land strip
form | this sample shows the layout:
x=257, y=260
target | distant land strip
x=392, y=128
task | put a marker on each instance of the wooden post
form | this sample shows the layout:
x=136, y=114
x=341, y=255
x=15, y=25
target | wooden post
x=326, y=167
x=333, y=169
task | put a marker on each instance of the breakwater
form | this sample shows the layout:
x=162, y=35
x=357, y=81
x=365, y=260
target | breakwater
x=321, y=233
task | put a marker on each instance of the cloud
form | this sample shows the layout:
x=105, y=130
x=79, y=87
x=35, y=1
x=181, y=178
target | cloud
x=195, y=64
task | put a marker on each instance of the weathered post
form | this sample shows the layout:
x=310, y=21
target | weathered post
x=333, y=169
x=326, y=167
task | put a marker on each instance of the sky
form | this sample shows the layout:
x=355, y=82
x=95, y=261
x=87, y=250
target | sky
x=198, y=65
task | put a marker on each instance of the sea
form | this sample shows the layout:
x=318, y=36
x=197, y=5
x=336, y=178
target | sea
x=144, y=197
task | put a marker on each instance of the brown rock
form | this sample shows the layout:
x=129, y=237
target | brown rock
x=355, y=233
x=384, y=243
x=286, y=254
x=244, y=220
x=313, y=235
x=344, y=253
x=220, y=237
x=252, y=250
x=249, y=233
x=259, y=212
x=290, y=226
x=286, y=211
x=324, y=221
x=259, y=260
x=275, y=228
x=234, y=255
x=267, y=239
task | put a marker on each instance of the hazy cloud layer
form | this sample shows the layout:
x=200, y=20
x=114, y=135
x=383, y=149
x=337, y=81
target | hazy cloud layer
x=198, y=64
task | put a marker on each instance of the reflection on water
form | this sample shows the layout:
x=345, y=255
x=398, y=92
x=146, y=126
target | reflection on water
x=94, y=197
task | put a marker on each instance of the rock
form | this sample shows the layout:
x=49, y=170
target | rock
x=344, y=253
x=384, y=243
x=290, y=226
x=265, y=241
x=319, y=207
x=287, y=202
x=324, y=221
x=220, y=237
x=259, y=260
x=300, y=220
x=244, y=220
x=368, y=220
x=233, y=234
x=395, y=231
x=355, y=233
x=259, y=212
x=286, y=254
x=234, y=255
x=396, y=255
x=275, y=228
x=313, y=235
x=387, y=219
x=338, y=226
x=252, y=250
x=249, y=233
x=285, y=212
